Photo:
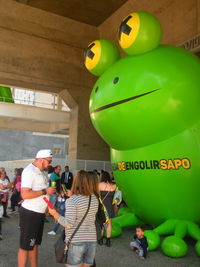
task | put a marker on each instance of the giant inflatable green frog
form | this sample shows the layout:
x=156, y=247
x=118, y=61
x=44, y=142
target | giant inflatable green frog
x=145, y=105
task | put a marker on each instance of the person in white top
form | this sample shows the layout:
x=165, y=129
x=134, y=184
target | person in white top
x=4, y=188
x=34, y=186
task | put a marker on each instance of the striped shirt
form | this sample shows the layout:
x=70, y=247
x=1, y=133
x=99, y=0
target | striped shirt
x=75, y=209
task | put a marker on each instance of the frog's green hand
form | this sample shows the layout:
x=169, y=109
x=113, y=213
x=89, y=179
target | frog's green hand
x=125, y=218
x=174, y=245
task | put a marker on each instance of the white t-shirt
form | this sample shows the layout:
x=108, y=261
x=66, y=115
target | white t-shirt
x=5, y=183
x=34, y=178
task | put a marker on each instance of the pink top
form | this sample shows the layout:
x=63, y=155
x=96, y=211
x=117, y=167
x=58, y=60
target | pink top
x=17, y=183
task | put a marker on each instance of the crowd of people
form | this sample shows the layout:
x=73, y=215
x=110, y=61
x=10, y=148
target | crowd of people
x=75, y=204
x=10, y=192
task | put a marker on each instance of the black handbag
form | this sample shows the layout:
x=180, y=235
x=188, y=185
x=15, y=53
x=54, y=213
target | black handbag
x=61, y=248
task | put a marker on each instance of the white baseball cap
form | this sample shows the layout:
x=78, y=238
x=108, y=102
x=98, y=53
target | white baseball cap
x=44, y=153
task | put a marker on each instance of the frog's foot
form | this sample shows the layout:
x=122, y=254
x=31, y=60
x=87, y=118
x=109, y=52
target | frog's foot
x=125, y=218
x=174, y=245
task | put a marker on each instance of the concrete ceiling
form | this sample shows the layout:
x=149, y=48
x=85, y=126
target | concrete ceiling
x=92, y=12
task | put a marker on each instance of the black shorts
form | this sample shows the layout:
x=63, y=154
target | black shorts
x=31, y=227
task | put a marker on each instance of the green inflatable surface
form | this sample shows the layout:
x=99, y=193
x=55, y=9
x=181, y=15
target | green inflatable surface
x=146, y=107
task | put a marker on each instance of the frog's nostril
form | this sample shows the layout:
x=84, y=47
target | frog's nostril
x=116, y=80
x=97, y=88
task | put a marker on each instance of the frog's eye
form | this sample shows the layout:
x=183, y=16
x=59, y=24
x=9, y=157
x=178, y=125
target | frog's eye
x=139, y=33
x=100, y=55
x=116, y=80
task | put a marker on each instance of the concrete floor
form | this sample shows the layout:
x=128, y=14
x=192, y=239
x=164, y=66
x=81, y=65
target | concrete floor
x=118, y=255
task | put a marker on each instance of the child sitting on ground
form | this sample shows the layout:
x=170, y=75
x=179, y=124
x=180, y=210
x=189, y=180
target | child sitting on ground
x=140, y=243
x=60, y=206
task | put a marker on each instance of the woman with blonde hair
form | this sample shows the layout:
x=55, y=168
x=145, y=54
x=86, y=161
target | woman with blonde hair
x=83, y=202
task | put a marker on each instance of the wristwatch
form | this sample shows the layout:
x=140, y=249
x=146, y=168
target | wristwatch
x=44, y=191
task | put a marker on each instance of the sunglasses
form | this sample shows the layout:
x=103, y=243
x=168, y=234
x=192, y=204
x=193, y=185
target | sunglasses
x=49, y=161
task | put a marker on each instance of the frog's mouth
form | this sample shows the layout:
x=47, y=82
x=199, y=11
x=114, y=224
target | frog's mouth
x=122, y=101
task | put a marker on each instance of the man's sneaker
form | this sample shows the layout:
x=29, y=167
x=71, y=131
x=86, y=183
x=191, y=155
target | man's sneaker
x=52, y=233
x=1, y=238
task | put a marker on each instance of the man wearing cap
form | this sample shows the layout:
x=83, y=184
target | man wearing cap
x=33, y=188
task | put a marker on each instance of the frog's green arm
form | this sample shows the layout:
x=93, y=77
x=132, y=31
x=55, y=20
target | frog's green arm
x=125, y=218
x=174, y=245
x=193, y=230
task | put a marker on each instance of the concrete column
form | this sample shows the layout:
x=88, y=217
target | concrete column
x=59, y=103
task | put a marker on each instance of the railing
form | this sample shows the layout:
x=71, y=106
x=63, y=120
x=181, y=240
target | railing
x=34, y=103
x=74, y=165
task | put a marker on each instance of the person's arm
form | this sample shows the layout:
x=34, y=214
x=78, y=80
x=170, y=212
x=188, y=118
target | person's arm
x=70, y=215
x=8, y=178
x=28, y=193
x=114, y=187
x=3, y=187
x=100, y=187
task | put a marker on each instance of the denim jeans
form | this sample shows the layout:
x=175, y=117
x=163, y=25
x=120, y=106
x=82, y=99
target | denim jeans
x=57, y=225
x=52, y=199
x=81, y=253
x=136, y=245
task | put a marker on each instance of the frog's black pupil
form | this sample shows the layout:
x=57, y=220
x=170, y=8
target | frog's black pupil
x=97, y=88
x=116, y=80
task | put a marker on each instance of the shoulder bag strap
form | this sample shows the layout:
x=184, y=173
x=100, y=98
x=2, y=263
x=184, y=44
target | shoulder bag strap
x=78, y=226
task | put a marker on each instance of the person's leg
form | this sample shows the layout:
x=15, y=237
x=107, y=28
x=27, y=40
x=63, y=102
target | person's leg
x=30, y=228
x=75, y=254
x=33, y=256
x=141, y=253
x=13, y=201
x=5, y=209
x=109, y=229
x=56, y=227
x=0, y=226
x=108, y=233
x=53, y=198
x=22, y=257
x=6, y=205
x=1, y=214
x=89, y=255
x=134, y=245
